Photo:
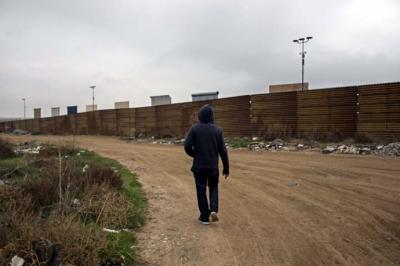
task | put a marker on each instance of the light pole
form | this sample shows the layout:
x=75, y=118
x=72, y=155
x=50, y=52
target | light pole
x=302, y=41
x=92, y=87
x=24, y=99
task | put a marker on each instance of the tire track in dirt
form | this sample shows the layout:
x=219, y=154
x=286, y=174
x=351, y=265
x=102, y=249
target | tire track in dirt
x=276, y=209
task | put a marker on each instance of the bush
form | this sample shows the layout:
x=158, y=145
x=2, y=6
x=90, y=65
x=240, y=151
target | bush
x=6, y=149
x=93, y=197
x=45, y=192
x=100, y=174
x=80, y=244
x=105, y=207
x=53, y=151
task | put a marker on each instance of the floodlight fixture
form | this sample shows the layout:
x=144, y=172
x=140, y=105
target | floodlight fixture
x=302, y=41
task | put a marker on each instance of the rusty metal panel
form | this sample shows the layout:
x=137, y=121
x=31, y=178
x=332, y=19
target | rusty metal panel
x=36, y=126
x=274, y=115
x=64, y=125
x=47, y=126
x=124, y=120
x=94, y=121
x=108, y=122
x=28, y=125
x=169, y=120
x=189, y=114
x=145, y=121
x=81, y=124
x=232, y=115
x=327, y=113
x=379, y=110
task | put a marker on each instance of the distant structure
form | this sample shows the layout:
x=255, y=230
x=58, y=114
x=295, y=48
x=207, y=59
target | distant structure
x=37, y=113
x=160, y=100
x=55, y=111
x=121, y=105
x=72, y=110
x=91, y=107
x=205, y=96
x=287, y=87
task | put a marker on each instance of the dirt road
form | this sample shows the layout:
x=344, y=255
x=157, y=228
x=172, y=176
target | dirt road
x=276, y=209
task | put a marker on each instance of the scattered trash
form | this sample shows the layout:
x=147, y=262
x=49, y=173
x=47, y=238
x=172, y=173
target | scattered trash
x=115, y=231
x=76, y=203
x=365, y=150
x=328, y=149
x=179, y=141
x=17, y=261
x=169, y=141
x=85, y=168
x=29, y=148
x=113, y=262
x=257, y=144
x=392, y=149
x=20, y=132
x=300, y=146
x=111, y=231
x=277, y=142
x=46, y=252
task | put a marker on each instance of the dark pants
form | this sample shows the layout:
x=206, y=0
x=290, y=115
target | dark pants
x=204, y=178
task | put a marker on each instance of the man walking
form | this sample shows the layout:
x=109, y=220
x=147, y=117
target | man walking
x=204, y=143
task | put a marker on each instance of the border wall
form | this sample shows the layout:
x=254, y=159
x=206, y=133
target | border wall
x=370, y=110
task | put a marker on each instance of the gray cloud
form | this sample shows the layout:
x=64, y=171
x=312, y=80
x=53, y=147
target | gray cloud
x=52, y=51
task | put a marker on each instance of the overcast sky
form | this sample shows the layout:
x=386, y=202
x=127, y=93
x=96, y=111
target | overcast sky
x=51, y=51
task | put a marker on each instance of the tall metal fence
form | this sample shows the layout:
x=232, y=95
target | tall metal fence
x=369, y=110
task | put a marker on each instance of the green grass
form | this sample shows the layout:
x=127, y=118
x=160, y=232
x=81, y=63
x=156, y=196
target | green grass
x=120, y=244
x=238, y=142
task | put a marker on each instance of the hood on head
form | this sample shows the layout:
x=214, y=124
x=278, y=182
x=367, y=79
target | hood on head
x=206, y=114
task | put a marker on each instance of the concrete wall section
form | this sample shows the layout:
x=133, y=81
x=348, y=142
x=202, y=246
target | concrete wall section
x=91, y=107
x=37, y=113
x=55, y=111
x=160, y=100
x=287, y=87
x=121, y=105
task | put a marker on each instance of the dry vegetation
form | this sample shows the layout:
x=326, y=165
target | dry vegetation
x=67, y=197
x=6, y=149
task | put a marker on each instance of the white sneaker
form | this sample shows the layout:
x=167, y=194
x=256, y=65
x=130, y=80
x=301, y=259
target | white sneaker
x=204, y=222
x=214, y=217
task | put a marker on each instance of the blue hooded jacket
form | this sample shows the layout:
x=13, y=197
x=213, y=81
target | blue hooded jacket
x=205, y=142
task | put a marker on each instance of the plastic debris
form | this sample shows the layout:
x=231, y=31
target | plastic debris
x=111, y=231
x=17, y=261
